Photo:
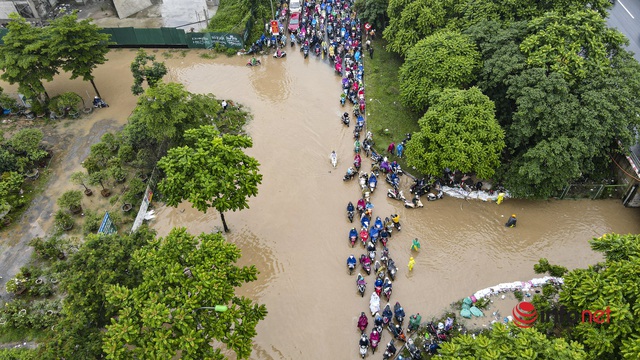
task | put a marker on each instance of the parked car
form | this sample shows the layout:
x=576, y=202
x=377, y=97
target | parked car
x=295, y=6
x=294, y=22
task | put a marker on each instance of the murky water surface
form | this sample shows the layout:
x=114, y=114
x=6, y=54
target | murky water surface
x=296, y=229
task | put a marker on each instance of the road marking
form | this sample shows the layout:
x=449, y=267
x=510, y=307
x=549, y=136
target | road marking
x=625, y=8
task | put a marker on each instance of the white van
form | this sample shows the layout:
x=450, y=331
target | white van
x=295, y=6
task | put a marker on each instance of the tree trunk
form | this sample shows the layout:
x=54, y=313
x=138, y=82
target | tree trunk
x=224, y=222
x=95, y=88
x=85, y=186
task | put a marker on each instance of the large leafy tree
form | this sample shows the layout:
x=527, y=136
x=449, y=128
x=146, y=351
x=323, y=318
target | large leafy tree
x=474, y=11
x=459, y=132
x=511, y=342
x=446, y=59
x=167, y=110
x=212, y=171
x=613, y=284
x=145, y=68
x=545, y=137
x=80, y=45
x=373, y=11
x=171, y=313
x=574, y=44
x=101, y=261
x=412, y=20
x=26, y=57
x=501, y=58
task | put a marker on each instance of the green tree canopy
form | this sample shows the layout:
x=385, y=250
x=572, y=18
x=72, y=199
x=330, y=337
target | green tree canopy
x=79, y=45
x=145, y=68
x=412, y=20
x=613, y=284
x=166, y=111
x=501, y=58
x=101, y=261
x=459, y=132
x=212, y=171
x=170, y=312
x=510, y=342
x=575, y=44
x=372, y=11
x=446, y=59
x=508, y=11
x=26, y=57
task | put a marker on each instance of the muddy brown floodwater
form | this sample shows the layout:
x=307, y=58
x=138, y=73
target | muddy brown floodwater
x=296, y=229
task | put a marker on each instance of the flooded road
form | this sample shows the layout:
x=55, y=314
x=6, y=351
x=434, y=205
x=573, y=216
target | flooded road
x=296, y=229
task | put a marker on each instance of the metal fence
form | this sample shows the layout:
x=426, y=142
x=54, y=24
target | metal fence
x=167, y=37
x=593, y=191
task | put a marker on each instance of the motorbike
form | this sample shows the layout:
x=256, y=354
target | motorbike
x=364, y=221
x=363, y=322
x=356, y=146
x=293, y=40
x=365, y=261
x=393, y=180
x=413, y=350
x=99, y=103
x=334, y=158
x=374, y=338
x=362, y=284
x=371, y=248
x=374, y=303
x=397, y=332
x=387, y=289
x=353, y=236
x=392, y=269
x=414, y=322
x=343, y=99
x=345, y=119
x=437, y=334
x=351, y=264
x=356, y=133
x=396, y=222
x=378, y=223
x=357, y=161
x=396, y=194
x=378, y=287
x=390, y=351
x=373, y=234
x=384, y=237
x=373, y=182
x=387, y=315
x=415, y=203
x=350, y=174
x=317, y=50
x=434, y=197
x=282, y=54
x=364, y=236
x=361, y=206
x=250, y=63
x=398, y=311
x=431, y=347
x=364, y=345
x=305, y=51
x=375, y=157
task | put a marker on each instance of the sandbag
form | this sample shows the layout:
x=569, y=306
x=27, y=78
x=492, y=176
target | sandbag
x=476, y=312
x=467, y=301
x=465, y=313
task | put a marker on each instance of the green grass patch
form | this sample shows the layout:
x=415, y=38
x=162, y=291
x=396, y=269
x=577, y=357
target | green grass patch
x=387, y=118
x=8, y=335
x=31, y=188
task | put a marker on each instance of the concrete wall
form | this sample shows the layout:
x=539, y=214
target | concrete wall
x=126, y=8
